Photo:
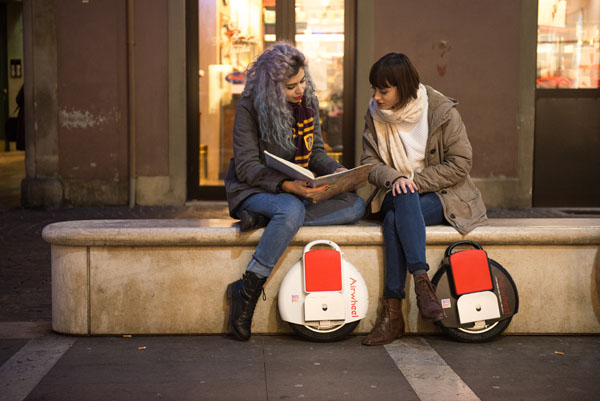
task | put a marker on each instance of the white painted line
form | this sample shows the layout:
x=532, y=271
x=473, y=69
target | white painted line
x=21, y=373
x=427, y=373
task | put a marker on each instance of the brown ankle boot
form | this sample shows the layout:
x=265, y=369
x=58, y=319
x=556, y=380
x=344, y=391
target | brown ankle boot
x=427, y=301
x=390, y=324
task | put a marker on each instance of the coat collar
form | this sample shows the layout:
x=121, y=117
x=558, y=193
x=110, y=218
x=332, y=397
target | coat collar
x=439, y=106
x=437, y=114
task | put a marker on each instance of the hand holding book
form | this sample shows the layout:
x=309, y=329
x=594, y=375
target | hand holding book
x=327, y=185
x=304, y=189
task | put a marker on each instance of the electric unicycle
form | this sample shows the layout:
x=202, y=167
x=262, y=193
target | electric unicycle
x=477, y=293
x=323, y=297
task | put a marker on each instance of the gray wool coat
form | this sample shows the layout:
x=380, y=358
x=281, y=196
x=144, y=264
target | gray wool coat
x=248, y=173
x=448, y=159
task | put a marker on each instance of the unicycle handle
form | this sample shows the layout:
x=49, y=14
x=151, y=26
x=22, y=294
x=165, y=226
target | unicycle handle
x=322, y=242
x=459, y=243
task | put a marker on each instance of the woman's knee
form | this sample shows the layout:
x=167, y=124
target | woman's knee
x=407, y=201
x=356, y=208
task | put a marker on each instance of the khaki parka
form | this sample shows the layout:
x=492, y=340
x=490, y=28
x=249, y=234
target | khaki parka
x=448, y=159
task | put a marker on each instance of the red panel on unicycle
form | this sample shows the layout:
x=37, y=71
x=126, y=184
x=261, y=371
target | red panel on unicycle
x=470, y=271
x=323, y=270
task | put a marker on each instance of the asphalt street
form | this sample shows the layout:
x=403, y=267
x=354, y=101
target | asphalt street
x=37, y=364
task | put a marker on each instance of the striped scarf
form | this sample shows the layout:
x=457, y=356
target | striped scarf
x=303, y=132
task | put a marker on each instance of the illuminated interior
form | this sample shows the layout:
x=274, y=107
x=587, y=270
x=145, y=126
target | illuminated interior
x=232, y=33
x=568, y=48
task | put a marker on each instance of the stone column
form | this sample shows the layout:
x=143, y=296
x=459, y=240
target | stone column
x=41, y=186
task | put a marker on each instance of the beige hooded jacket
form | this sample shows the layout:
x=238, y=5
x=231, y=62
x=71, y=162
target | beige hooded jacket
x=448, y=159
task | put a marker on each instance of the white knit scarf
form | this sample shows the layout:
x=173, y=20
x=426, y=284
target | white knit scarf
x=388, y=125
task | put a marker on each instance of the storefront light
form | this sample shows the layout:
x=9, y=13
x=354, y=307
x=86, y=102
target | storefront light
x=328, y=37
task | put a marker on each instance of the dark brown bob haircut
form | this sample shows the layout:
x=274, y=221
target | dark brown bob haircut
x=395, y=69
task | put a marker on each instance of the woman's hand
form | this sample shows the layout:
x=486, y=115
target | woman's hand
x=403, y=185
x=339, y=170
x=303, y=188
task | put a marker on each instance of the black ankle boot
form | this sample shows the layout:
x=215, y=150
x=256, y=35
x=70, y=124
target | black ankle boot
x=243, y=294
x=251, y=221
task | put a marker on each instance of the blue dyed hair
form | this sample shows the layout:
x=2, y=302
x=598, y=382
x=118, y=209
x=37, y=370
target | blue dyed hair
x=265, y=82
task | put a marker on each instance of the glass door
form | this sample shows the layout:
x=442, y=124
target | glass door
x=567, y=118
x=320, y=36
x=230, y=35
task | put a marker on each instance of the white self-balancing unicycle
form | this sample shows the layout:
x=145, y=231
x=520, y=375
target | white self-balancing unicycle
x=477, y=293
x=323, y=297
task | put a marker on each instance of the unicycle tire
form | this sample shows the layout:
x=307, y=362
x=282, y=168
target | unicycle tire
x=324, y=336
x=476, y=336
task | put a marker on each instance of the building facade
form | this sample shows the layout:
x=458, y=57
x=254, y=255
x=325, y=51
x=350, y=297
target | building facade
x=120, y=108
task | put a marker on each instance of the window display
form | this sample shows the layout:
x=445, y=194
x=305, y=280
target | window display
x=232, y=34
x=568, y=49
x=320, y=36
x=230, y=37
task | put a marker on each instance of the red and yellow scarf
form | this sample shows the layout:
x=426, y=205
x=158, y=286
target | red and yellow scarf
x=303, y=132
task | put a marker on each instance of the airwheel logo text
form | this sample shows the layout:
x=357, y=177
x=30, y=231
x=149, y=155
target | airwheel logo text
x=353, y=300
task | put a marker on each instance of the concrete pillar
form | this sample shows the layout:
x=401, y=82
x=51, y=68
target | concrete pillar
x=41, y=187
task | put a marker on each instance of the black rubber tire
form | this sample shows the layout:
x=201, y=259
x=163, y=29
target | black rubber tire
x=324, y=337
x=467, y=336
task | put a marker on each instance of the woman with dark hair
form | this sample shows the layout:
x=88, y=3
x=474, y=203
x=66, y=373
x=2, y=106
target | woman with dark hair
x=278, y=112
x=421, y=157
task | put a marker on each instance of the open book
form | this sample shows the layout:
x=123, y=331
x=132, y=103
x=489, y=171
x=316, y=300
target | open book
x=338, y=182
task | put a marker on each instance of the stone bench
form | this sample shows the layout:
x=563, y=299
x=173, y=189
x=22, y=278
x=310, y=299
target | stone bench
x=169, y=276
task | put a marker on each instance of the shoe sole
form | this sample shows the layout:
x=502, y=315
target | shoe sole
x=435, y=319
x=384, y=342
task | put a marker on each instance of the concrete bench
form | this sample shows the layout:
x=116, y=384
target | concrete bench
x=169, y=276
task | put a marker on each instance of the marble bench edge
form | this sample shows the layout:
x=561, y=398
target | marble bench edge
x=215, y=232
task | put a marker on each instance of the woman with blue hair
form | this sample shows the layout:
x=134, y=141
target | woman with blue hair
x=278, y=112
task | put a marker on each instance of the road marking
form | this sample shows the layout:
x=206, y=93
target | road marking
x=427, y=373
x=25, y=369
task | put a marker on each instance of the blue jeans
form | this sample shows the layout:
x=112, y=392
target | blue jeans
x=287, y=214
x=404, y=219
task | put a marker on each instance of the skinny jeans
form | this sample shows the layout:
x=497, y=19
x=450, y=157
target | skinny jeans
x=404, y=219
x=287, y=213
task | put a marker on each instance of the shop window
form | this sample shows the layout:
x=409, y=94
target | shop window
x=232, y=33
x=320, y=36
x=568, y=45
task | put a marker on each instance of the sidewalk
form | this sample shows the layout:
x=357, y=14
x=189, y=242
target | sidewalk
x=39, y=365
x=286, y=368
